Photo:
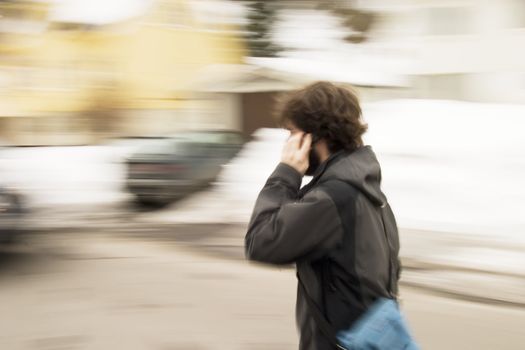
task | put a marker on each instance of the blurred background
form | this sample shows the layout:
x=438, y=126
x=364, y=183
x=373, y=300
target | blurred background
x=135, y=136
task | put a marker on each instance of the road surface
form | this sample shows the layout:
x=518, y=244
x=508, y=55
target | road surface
x=99, y=290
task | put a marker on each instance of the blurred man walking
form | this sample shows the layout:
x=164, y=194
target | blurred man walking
x=339, y=229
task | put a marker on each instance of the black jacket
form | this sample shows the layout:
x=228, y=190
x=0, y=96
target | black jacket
x=332, y=230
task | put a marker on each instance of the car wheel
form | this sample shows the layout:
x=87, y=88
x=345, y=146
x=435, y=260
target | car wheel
x=152, y=202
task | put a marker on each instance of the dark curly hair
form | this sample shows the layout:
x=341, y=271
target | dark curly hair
x=327, y=111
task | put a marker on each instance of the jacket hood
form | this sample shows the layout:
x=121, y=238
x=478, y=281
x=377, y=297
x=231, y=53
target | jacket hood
x=360, y=169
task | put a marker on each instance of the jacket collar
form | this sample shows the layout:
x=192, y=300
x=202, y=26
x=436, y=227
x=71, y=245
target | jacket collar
x=321, y=169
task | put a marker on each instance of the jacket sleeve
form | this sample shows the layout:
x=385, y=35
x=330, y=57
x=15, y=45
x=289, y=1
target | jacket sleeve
x=283, y=229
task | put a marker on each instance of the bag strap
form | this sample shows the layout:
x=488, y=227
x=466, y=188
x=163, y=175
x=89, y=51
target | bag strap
x=323, y=324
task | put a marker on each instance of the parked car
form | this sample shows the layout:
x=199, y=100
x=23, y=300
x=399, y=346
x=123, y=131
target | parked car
x=169, y=168
x=124, y=147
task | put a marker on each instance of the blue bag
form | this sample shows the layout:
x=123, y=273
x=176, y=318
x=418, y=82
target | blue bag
x=381, y=327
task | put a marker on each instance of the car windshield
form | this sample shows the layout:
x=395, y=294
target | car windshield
x=162, y=146
x=212, y=137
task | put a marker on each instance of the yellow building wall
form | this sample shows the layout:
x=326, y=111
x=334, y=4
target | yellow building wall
x=142, y=64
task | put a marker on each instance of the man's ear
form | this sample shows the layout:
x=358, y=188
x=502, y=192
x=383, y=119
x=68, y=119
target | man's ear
x=317, y=146
x=321, y=147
